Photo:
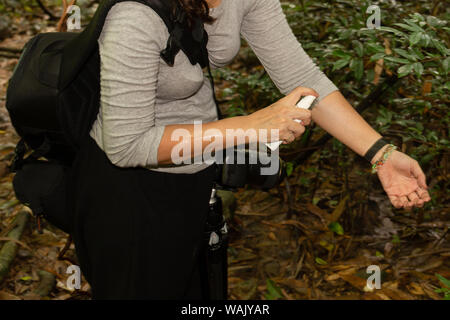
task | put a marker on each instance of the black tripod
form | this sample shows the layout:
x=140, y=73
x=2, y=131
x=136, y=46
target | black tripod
x=214, y=253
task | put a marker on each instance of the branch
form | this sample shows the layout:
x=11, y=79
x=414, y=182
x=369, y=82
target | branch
x=48, y=281
x=11, y=50
x=47, y=11
x=8, y=55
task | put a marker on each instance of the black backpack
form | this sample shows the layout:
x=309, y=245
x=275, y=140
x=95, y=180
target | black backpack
x=53, y=98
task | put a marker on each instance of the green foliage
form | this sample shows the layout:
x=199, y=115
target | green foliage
x=249, y=90
x=412, y=43
x=289, y=168
x=446, y=286
x=336, y=228
x=273, y=292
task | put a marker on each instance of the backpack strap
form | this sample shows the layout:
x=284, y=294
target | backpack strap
x=19, y=153
x=21, y=149
x=73, y=58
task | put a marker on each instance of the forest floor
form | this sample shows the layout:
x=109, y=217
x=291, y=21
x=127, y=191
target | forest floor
x=281, y=247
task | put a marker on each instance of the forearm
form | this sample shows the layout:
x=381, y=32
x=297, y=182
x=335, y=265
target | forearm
x=273, y=123
x=196, y=141
x=336, y=116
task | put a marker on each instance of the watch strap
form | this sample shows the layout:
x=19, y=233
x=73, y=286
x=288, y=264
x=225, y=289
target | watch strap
x=380, y=143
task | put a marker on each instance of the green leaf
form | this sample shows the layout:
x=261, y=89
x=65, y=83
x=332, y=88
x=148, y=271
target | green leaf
x=418, y=53
x=405, y=26
x=326, y=245
x=445, y=281
x=341, y=54
x=357, y=67
x=357, y=45
x=435, y=22
x=411, y=26
x=438, y=45
x=320, y=261
x=340, y=64
x=289, y=168
x=395, y=239
x=25, y=278
x=395, y=31
x=375, y=47
x=427, y=158
x=404, y=70
x=396, y=60
x=377, y=56
x=446, y=64
x=273, y=292
x=405, y=54
x=417, y=16
x=415, y=38
x=336, y=227
x=418, y=68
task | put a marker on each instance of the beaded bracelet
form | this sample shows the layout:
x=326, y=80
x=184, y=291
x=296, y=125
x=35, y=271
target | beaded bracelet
x=383, y=158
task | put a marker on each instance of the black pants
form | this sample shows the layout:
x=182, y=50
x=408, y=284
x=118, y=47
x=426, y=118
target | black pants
x=138, y=232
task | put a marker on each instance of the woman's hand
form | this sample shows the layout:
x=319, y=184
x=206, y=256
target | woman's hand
x=403, y=180
x=281, y=115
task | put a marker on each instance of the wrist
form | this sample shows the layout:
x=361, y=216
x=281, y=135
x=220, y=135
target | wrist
x=378, y=163
x=378, y=155
x=374, y=150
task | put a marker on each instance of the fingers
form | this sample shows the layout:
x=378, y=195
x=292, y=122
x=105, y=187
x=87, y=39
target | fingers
x=301, y=114
x=297, y=93
x=296, y=128
x=419, y=175
x=405, y=202
x=395, y=201
x=414, y=199
x=400, y=202
x=288, y=137
x=423, y=194
x=418, y=197
x=419, y=202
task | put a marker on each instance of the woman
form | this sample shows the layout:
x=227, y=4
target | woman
x=139, y=218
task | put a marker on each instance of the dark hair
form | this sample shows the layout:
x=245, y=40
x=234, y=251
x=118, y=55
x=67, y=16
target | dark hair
x=195, y=9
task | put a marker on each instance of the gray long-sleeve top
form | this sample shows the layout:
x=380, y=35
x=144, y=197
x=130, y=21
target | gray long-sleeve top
x=141, y=94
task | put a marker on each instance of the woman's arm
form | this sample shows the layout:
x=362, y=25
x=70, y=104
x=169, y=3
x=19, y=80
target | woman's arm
x=130, y=45
x=401, y=176
x=268, y=33
x=336, y=116
x=278, y=116
x=266, y=30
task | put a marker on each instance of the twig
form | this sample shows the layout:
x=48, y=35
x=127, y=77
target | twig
x=16, y=241
x=289, y=199
x=64, y=250
x=425, y=253
x=9, y=55
x=434, y=11
x=47, y=11
x=61, y=27
x=11, y=50
x=48, y=281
